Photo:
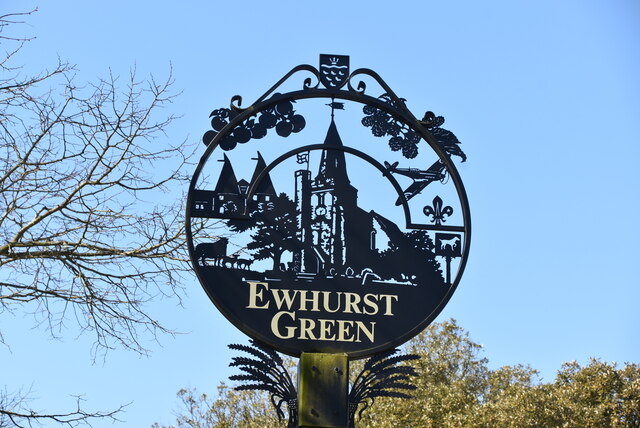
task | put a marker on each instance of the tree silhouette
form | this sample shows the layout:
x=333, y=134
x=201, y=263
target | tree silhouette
x=409, y=256
x=275, y=230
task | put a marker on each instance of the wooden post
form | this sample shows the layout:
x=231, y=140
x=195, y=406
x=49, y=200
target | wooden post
x=323, y=390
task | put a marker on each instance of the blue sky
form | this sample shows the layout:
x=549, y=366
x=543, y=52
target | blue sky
x=544, y=96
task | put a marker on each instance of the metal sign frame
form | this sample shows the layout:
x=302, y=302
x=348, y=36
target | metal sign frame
x=233, y=122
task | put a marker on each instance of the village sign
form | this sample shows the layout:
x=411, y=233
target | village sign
x=322, y=219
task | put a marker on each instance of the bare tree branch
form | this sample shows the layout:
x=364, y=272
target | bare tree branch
x=91, y=225
x=14, y=412
x=11, y=19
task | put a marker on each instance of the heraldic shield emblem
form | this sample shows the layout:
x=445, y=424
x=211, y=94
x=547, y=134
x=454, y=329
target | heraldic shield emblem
x=334, y=70
x=327, y=220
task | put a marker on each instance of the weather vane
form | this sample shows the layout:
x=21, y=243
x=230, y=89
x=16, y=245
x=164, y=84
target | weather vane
x=335, y=106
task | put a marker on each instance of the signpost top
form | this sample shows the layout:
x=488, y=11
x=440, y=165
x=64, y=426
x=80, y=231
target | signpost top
x=335, y=221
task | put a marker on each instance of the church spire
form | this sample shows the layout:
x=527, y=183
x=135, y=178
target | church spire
x=332, y=164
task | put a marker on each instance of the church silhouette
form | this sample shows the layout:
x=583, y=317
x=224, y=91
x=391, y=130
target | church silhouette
x=335, y=237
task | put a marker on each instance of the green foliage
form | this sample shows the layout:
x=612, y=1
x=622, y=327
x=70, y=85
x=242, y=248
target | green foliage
x=454, y=389
x=450, y=382
x=229, y=409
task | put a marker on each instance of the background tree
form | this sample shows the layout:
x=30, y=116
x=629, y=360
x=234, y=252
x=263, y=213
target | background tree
x=81, y=231
x=228, y=409
x=456, y=388
x=14, y=412
x=82, y=236
x=451, y=377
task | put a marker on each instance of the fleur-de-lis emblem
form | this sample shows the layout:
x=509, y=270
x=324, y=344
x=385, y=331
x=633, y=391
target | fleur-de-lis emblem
x=437, y=211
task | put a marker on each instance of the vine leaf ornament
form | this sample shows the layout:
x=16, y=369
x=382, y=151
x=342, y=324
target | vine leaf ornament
x=403, y=138
x=437, y=211
x=383, y=375
x=266, y=372
x=446, y=139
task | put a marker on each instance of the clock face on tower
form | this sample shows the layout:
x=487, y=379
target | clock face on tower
x=321, y=210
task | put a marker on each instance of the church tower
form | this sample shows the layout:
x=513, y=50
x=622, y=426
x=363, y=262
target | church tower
x=326, y=207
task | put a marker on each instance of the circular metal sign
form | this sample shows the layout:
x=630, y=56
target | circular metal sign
x=323, y=219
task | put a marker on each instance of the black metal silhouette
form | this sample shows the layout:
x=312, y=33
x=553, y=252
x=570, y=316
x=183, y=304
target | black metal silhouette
x=402, y=137
x=318, y=271
x=267, y=373
x=384, y=124
x=449, y=246
x=420, y=178
x=437, y=211
x=383, y=375
x=295, y=245
x=444, y=138
x=282, y=117
x=330, y=236
x=334, y=70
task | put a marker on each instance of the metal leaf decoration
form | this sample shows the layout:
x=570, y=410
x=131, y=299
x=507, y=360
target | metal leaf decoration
x=266, y=372
x=446, y=139
x=383, y=375
x=404, y=138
